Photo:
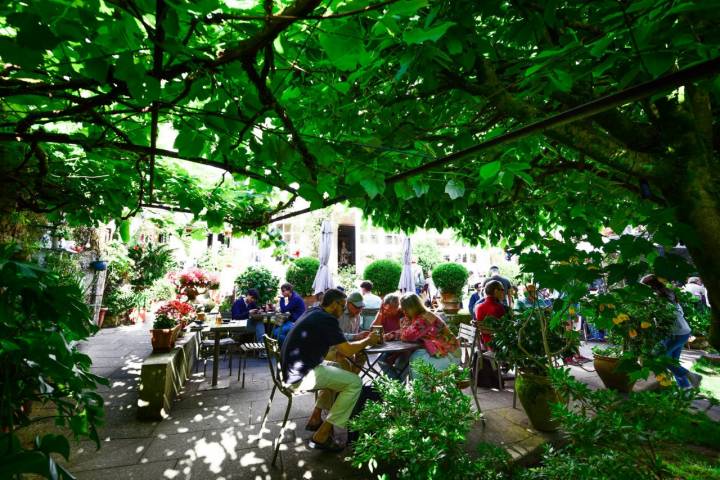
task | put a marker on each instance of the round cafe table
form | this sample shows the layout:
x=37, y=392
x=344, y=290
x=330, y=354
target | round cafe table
x=374, y=353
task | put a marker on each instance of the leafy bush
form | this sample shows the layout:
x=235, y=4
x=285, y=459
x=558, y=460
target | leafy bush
x=162, y=289
x=418, y=431
x=428, y=255
x=301, y=274
x=616, y=437
x=385, y=276
x=261, y=279
x=66, y=266
x=123, y=299
x=531, y=340
x=151, y=262
x=42, y=318
x=450, y=278
x=637, y=320
x=348, y=277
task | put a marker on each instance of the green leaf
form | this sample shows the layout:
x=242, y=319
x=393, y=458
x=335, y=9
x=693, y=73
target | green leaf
x=658, y=63
x=52, y=443
x=455, y=189
x=406, y=8
x=343, y=45
x=420, y=35
x=490, y=170
x=188, y=143
x=373, y=186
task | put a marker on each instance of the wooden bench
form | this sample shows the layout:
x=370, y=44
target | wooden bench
x=163, y=375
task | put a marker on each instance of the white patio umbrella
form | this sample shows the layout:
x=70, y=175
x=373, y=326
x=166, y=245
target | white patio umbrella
x=323, y=278
x=407, y=282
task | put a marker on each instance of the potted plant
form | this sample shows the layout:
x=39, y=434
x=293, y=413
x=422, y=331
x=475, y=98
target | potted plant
x=261, y=279
x=635, y=321
x=301, y=274
x=450, y=278
x=194, y=282
x=384, y=275
x=179, y=312
x=533, y=343
x=163, y=333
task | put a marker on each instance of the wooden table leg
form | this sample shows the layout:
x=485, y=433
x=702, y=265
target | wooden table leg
x=216, y=359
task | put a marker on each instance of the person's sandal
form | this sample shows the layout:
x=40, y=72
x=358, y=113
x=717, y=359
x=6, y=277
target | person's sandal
x=329, y=445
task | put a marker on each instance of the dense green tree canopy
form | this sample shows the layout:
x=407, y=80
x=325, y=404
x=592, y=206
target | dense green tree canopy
x=341, y=100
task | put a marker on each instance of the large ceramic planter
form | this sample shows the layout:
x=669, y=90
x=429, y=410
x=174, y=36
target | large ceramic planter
x=536, y=394
x=450, y=303
x=612, y=379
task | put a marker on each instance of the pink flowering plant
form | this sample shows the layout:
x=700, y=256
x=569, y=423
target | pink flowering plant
x=196, y=278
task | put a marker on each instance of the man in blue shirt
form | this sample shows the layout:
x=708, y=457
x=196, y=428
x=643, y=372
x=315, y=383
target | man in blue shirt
x=291, y=303
x=242, y=308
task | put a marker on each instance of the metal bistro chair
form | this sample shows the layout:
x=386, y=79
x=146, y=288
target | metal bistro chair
x=468, y=337
x=207, y=348
x=255, y=348
x=272, y=347
x=489, y=355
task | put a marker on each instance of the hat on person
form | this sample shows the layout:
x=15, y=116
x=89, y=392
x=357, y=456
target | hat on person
x=356, y=299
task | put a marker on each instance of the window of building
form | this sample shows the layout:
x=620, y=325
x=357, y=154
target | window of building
x=473, y=258
x=388, y=239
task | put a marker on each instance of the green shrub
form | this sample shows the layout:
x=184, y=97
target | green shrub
x=385, y=276
x=616, y=437
x=151, y=262
x=428, y=255
x=450, y=278
x=519, y=340
x=301, y=274
x=261, y=279
x=347, y=277
x=43, y=318
x=121, y=300
x=418, y=431
x=161, y=290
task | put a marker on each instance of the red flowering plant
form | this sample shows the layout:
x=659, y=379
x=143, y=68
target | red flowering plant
x=176, y=310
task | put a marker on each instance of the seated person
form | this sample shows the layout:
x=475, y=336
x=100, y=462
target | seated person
x=350, y=319
x=389, y=317
x=350, y=325
x=440, y=346
x=491, y=307
x=371, y=300
x=292, y=304
x=530, y=300
x=303, y=367
x=242, y=308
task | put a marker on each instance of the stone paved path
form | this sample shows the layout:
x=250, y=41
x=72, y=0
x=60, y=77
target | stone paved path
x=211, y=434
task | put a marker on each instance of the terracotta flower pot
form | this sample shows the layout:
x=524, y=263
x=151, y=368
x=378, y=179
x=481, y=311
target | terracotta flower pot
x=605, y=368
x=536, y=394
x=450, y=303
x=163, y=340
x=101, y=316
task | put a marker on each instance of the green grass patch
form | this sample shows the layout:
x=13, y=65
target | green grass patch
x=691, y=464
x=710, y=372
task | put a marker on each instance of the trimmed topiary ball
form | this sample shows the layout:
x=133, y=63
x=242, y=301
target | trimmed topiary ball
x=261, y=279
x=384, y=274
x=450, y=278
x=301, y=274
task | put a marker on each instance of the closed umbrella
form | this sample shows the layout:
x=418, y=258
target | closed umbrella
x=323, y=278
x=407, y=282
